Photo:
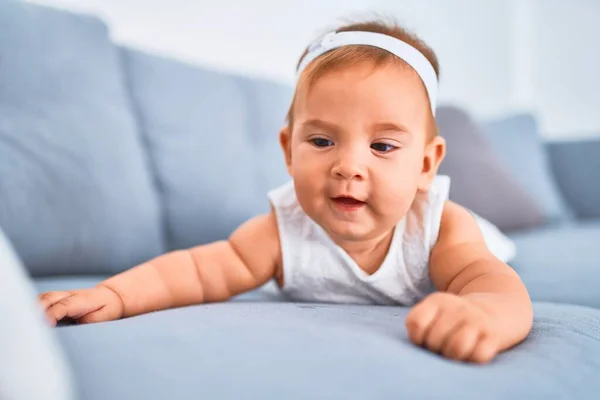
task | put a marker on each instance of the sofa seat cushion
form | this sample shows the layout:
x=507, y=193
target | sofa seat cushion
x=259, y=346
x=272, y=350
x=561, y=263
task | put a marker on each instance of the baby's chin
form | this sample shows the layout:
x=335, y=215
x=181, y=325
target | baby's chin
x=350, y=231
x=358, y=226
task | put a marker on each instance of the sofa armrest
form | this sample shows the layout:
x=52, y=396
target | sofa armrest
x=576, y=166
x=32, y=365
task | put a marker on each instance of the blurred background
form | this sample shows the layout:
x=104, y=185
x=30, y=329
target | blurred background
x=497, y=56
x=110, y=156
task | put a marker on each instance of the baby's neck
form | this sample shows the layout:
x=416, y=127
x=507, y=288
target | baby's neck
x=368, y=254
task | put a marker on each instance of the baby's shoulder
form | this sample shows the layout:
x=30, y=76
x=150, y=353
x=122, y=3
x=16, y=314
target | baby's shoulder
x=460, y=225
x=257, y=241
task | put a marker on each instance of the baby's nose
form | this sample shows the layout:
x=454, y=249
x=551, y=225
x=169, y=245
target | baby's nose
x=350, y=165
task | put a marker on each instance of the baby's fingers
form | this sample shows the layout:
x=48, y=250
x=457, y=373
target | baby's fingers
x=419, y=321
x=462, y=343
x=485, y=351
x=102, y=314
x=73, y=307
x=49, y=298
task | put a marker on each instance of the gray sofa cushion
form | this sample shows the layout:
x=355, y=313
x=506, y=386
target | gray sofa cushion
x=576, y=166
x=213, y=142
x=518, y=143
x=480, y=181
x=32, y=364
x=302, y=351
x=561, y=264
x=75, y=193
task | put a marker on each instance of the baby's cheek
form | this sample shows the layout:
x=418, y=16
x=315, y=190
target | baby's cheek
x=305, y=167
x=307, y=194
x=396, y=198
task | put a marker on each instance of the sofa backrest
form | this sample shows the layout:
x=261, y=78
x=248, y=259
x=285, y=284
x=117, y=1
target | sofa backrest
x=110, y=156
x=212, y=140
x=76, y=192
x=576, y=167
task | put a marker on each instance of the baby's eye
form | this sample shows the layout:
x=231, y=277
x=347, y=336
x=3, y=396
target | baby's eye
x=383, y=147
x=320, y=142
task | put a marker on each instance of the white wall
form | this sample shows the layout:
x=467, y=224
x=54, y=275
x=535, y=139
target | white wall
x=472, y=41
x=257, y=37
x=497, y=56
x=567, y=65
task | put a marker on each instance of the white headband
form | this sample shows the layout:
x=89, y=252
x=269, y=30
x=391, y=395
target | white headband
x=400, y=49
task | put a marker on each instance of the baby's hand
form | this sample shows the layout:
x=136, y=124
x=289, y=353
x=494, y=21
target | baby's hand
x=453, y=326
x=84, y=306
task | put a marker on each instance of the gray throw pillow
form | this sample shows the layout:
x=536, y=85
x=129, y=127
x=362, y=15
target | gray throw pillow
x=518, y=143
x=479, y=180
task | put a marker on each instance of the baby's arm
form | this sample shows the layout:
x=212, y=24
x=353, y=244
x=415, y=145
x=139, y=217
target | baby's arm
x=482, y=307
x=208, y=273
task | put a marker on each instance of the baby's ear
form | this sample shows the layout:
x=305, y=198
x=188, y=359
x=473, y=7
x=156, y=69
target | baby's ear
x=435, y=151
x=285, y=140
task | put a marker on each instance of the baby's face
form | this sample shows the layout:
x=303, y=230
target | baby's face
x=358, y=149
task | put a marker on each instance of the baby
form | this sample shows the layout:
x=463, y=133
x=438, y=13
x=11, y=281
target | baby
x=365, y=218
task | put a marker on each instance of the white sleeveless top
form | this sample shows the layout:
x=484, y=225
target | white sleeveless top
x=316, y=269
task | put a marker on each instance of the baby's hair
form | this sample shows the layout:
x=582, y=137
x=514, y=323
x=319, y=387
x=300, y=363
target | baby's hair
x=351, y=55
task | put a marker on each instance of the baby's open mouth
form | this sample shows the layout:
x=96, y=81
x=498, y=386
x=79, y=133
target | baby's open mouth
x=348, y=203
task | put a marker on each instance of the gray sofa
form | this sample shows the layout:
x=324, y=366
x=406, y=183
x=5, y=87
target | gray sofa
x=109, y=156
